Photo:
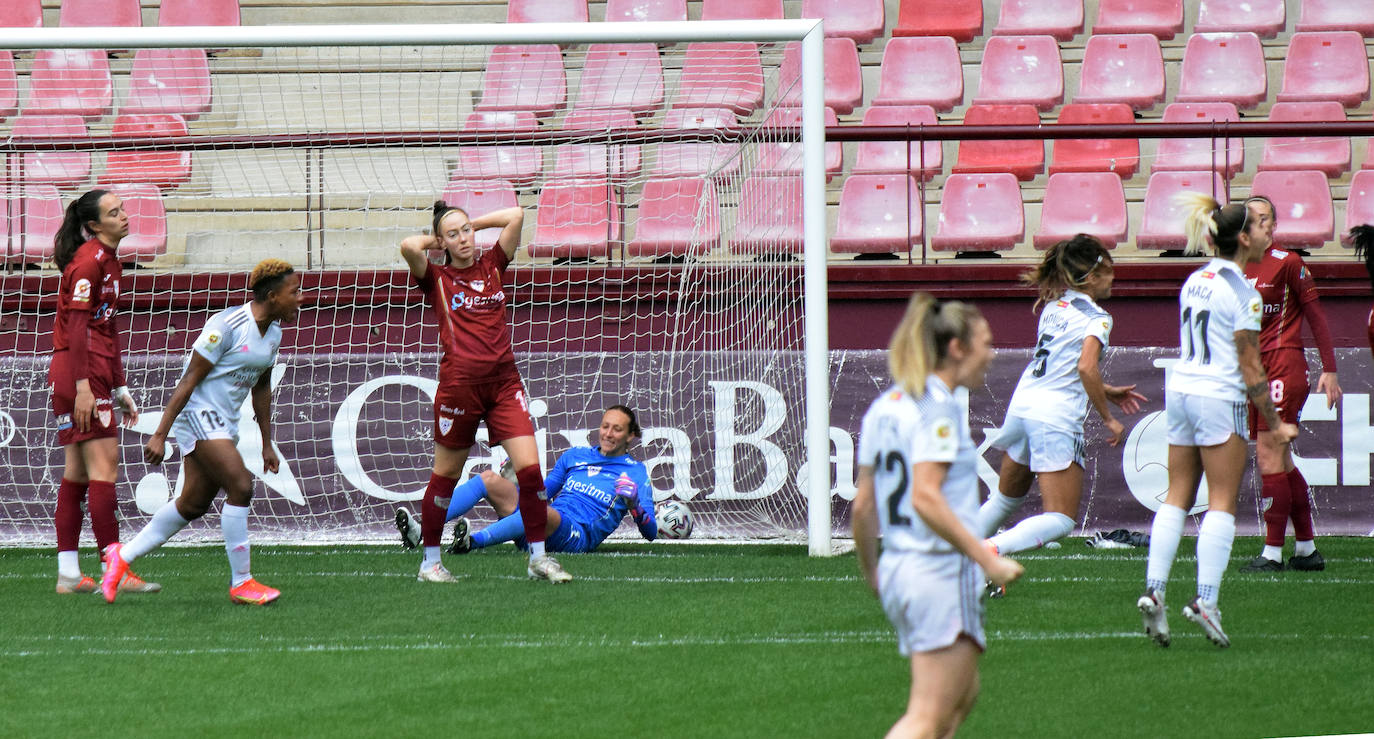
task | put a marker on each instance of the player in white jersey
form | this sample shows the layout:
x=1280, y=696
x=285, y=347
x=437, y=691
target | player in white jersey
x=231, y=359
x=918, y=486
x=1043, y=431
x=1218, y=368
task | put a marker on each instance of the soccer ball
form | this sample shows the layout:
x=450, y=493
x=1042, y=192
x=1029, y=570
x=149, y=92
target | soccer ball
x=674, y=520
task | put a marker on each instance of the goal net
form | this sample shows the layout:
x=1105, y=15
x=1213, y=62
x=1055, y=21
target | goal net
x=663, y=264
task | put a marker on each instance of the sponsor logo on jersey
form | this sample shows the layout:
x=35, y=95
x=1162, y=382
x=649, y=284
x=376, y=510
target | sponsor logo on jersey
x=478, y=285
x=445, y=425
x=105, y=415
x=452, y=411
x=463, y=301
x=212, y=337
x=593, y=470
x=82, y=290
x=1256, y=307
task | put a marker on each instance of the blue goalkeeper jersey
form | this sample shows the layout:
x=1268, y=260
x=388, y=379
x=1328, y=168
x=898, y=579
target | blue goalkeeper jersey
x=581, y=486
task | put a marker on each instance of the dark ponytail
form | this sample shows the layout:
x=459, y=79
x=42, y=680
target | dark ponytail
x=1363, y=236
x=72, y=233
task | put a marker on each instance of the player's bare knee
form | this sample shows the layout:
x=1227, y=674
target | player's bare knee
x=239, y=491
x=191, y=509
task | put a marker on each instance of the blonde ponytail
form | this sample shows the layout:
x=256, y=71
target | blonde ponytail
x=1199, y=220
x=921, y=341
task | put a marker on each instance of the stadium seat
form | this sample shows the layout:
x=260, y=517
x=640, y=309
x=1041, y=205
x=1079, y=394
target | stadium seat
x=1062, y=19
x=1264, y=18
x=785, y=158
x=1196, y=155
x=1162, y=18
x=1093, y=203
x=520, y=164
x=1024, y=158
x=523, y=78
x=622, y=76
x=169, y=81
x=696, y=159
x=878, y=213
x=979, y=212
x=1336, y=15
x=768, y=219
x=1161, y=226
x=1121, y=156
x=575, y=218
x=741, y=10
x=33, y=222
x=9, y=86
x=892, y=157
x=1359, y=203
x=1304, y=216
x=844, y=81
x=477, y=197
x=71, y=81
x=65, y=169
x=1125, y=68
x=921, y=71
x=546, y=11
x=83, y=13
x=1020, y=69
x=860, y=20
x=646, y=10
x=1330, y=154
x=619, y=162
x=722, y=75
x=198, y=13
x=1223, y=67
x=21, y=13
x=677, y=217
x=959, y=19
x=147, y=239
x=1326, y=66
x=165, y=169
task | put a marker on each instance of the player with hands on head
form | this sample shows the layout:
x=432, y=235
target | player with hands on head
x=918, y=488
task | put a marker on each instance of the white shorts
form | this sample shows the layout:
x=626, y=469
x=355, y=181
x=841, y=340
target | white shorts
x=1197, y=420
x=931, y=599
x=1040, y=446
x=196, y=426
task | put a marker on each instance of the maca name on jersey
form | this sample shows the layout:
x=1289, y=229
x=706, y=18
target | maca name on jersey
x=477, y=302
x=1201, y=292
x=586, y=488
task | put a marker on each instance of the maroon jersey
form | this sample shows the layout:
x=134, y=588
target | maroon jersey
x=1286, y=286
x=90, y=283
x=470, y=304
x=1369, y=329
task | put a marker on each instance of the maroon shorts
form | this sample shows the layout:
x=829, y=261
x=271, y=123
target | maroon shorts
x=460, y=405
x=1288, y=388
x=105, y=425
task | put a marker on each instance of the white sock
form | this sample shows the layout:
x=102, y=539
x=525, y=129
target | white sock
x=163, y=526
x=1273, y=554
x=1300, y=548
x=1033, y=533
x=536, y=549
x=996, y=509
x=431, y=558
x=68, y=564
x=233, y=521
x=1165, y=532
x=1214, y=538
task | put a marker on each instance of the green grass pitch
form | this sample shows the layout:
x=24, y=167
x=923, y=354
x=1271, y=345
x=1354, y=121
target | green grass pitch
x=664, y=640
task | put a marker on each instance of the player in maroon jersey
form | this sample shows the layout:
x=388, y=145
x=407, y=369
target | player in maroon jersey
x=86, y=379
x=478, y=380
x=1362, y=237
x=1290, y=297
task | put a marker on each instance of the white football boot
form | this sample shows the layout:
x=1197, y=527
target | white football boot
x=547, y=568
x=1151, y=606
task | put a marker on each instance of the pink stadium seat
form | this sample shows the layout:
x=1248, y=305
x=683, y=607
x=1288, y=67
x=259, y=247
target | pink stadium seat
x=33, y=222
x=1122, y=69
x=1336, y=15
x=979, y=212
x=1226, y=67
x=1330, y=154
x=1359, y=204
x=576, y=218
x=622, y=76
x=526, y=78
x=165, y=169
x=1062, y=19
x=1304, y=215
x=21, y=13
x=147, y=239
x=921, y=71
x=1326, y=66
x=677, y=217
x=619, y=163
x=9, y=86
x=198, y=13
x=169, y=81
x=1020, y=69
x=76, y=13
x=879, y=213
x=477, y=197
x=1121, y=156
x=1162, y=18
x=646, y=10
x=1264, y=18
x=1196, y=155
x=75, y=81
x=1161, y=227
x=785, y=158
x=768, y=219
x=844, y=81
x=1093, y=203
x=546, y=11
x=1024, y=158
x=725, y=74
x=698, y=159
x=960, y=19
x=66, y=169
x=741, y=10
x=521, y=165
x=890, y=157
x=860, y=20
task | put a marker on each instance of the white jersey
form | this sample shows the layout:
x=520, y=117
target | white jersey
x=1216, y=302
x=1049, y=389
x=240, y=354
x=899, y=432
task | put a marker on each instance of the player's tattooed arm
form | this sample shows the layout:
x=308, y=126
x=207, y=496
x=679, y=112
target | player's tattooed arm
x=1255, y=378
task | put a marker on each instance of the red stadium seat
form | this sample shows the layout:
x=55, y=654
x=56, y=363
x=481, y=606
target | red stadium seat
x=781, y=158
x=478, y=197
x=959, y=19
x=165, y=169
x=741, y=10
x=1196, y=155
x=1264, y=18
x=619, y=162
x=1359, y=204
x=546, y=11
x=169, y=81
x=722, y=75
x=1162, y=18
x=66, y=169
x=1304, y=216
x=1336, y=15
x=646, y=10
x=979, y=212
x=21, y=13
x=1223, y=67
x=81, y=13
x=528, y=78
x=1024, y=158
x=1326, y=66
x=768, y=219
x=147, y=239
x=879, y=213
x=698, y=159
x=860, y=20
x=677, y=217
x=1161, y=227
x=892, y=157
x=844, y=81
x=1122, y=69
x=1330, y=154
x=520, y=164
x=1121, y=156
x=198, y=13
x=1062, y=19
x=921, y=71
x=575, y=218
x=1093, y=203
x=9, y=86
x=75, y=81
x=1020, y=69
x=622, y=76
x=33, y=222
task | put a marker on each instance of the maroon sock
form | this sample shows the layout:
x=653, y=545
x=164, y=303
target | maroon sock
x=101, y=502
x=1301, y=509
x=434, y=508
x=68, y=517
x=534, y=509
x=1275, y=490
